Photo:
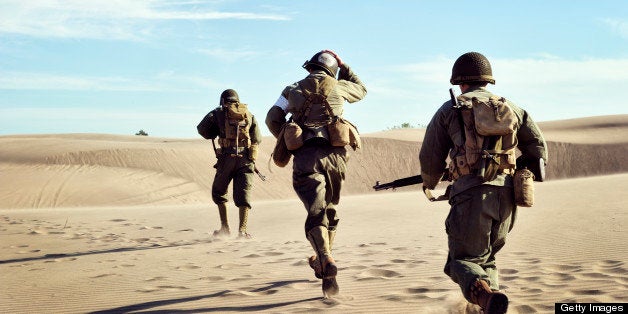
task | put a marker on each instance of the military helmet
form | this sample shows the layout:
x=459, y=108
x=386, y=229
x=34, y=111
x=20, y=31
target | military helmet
x=324, y=61
x=471, y=67
x=229, y=95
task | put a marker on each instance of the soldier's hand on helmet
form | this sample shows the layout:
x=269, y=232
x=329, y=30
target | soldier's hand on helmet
x=335, y=56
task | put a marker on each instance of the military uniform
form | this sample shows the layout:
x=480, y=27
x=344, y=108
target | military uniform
x=318, y=168
x=235, y=162
x=482, y=212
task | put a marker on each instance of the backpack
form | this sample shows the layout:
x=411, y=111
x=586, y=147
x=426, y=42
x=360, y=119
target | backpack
x=489, y=127
x=340, y=131
x=238, y=122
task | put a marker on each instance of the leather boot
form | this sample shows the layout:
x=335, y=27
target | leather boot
x=491, y=302
x=224, y=222
x=244, y=216
x=323, y=263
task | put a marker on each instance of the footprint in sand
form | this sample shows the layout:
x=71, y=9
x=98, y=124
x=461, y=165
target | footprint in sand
x=372, y=244
x=610, y=266
x=273, y=253
x=232, y=266
x=252, y=256
x=375, y=274
x=158, y=278
x=587, y=292
x=212, y=278
x=565, y=268
x=104, y=275
x=117, y=220
x=187, y=267
x=299, y=263
x=242, y=278
x=162, y=288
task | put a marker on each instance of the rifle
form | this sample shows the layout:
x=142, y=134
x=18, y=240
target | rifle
x=261, y=176
x=412, y=181
x=398, y=183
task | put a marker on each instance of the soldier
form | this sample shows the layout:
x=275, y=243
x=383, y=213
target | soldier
x=238, y=136
x=319, y=165
x=483, y=208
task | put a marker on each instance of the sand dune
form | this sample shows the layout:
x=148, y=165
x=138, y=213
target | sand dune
x=101, y=170
x=104, y=223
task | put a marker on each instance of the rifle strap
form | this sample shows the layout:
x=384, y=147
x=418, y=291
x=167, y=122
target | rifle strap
x=215, y=150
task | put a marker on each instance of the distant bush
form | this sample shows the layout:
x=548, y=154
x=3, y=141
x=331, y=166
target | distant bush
x=406, y=125
x=142, y=133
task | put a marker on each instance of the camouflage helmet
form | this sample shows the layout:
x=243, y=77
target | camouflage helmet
x=324, y=61
x=229, y=95
x=471, y=67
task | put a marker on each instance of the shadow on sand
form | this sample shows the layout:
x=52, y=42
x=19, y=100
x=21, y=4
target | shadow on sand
x=260, y=307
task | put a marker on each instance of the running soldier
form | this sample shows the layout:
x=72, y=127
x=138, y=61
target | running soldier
x=480, y=135
x=318, y=145
x=239, y=137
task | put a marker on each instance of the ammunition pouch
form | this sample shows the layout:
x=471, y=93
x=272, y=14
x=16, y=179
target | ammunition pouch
x=343, y=133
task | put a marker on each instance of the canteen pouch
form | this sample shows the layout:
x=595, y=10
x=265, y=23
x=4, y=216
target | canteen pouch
x=524, y=187
x=281, y=155
x=293, y=136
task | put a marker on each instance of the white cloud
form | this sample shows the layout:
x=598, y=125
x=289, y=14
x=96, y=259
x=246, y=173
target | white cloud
x=549, y=87
x=46, y=81
x=618, y=26
x=103, y=19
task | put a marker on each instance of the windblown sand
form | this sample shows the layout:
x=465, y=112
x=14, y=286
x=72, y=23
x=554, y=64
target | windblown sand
x=104, y=223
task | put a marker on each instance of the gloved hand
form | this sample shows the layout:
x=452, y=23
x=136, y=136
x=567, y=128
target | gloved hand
x=335, y=56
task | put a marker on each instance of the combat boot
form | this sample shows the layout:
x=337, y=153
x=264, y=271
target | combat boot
x=244, y=216
x=323, y=263
x=491, y=302
x=224, y=223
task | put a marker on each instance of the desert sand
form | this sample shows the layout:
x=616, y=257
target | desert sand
x=116, y=224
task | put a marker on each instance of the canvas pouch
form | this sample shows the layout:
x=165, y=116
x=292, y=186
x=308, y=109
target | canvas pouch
x=281, y=155
x=524, y=187
x=293, y=136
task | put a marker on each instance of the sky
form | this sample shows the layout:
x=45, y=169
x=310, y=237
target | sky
x=118, y=66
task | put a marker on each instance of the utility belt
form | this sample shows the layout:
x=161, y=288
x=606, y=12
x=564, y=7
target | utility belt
x=337, y=132
x=502, y=162
x=232, y=151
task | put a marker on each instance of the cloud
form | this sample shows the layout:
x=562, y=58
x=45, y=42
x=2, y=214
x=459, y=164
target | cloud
x=46, y=81
x=617, y=26
x=549, y=87
x=105, y=19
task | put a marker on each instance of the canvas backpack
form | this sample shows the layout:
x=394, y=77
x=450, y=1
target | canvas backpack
x=237, y=124
x=341, y=132
x=489, y=127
